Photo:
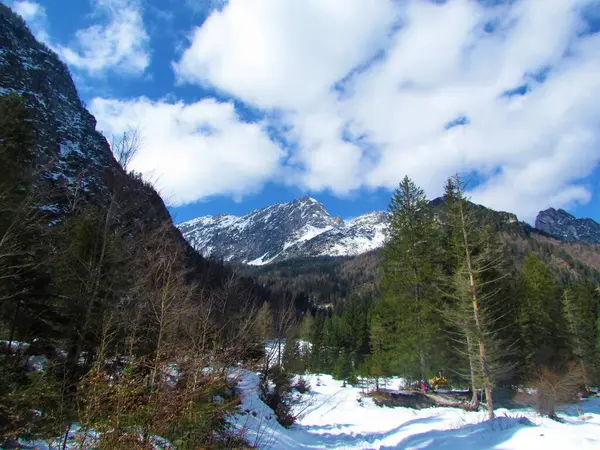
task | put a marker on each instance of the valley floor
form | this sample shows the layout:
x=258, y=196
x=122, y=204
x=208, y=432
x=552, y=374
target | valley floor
x=334, y=419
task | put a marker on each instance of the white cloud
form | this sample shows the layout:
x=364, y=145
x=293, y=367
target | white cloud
x=119, y=42
x=35, y=16
x=28, y=10
x=277, y=53
x=193, y=150
x=531, y=151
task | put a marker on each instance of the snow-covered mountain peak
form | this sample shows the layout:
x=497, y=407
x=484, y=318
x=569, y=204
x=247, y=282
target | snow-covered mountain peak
x=300, y=228
x=304, y=228
x=373, y=217
x=308, y=200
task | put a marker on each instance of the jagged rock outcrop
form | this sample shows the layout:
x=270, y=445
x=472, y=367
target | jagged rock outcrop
x=564, y=226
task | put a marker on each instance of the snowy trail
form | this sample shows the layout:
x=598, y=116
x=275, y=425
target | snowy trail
x=336, y=420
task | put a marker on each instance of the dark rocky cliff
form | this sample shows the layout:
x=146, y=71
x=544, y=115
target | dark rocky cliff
x=566, y=227
x=73, y=156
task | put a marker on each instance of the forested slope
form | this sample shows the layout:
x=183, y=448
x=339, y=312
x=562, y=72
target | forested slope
x=100, y=294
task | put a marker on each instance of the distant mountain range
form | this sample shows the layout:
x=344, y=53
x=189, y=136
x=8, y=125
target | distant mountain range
x=303, y=228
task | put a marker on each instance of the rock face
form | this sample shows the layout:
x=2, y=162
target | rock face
x=76, y=164
x=66, y=131
x=301, y=228
x=75, y=159
x=566, y=227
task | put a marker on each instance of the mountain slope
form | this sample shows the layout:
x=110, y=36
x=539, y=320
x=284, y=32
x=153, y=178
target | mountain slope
x=76, y=166
x=331, y=280
x=75, y=162
x=301, y=228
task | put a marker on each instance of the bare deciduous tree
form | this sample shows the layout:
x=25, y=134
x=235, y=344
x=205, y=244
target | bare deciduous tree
x=126, y=146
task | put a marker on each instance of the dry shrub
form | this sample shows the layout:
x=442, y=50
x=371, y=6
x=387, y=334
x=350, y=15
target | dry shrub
x=302, y=385
x=554, y=388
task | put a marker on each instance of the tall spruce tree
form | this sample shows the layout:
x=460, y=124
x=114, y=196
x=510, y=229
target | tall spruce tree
x=383, y=357
x=317, y=339
x=476, y=275
x=540, y=316
x=580, y=308
x=355, y=325
x=408, y=278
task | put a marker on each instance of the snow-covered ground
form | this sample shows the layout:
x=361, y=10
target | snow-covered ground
x=334, y=418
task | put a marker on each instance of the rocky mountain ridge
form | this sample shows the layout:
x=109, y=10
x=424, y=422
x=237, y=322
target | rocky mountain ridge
x=301, y=228
x=566, y=227
x=74, y=159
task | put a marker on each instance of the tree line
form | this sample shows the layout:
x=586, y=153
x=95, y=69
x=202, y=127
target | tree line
x=452, y=302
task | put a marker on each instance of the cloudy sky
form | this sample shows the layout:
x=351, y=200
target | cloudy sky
x=243, y=103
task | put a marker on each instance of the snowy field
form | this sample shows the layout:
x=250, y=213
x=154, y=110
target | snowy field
x=334, y=418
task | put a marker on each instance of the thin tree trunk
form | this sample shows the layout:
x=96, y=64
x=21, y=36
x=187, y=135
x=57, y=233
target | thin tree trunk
x=474, y=399
x=476, y=314
x=422, y=364
x=65, y=440
x=420, y=345
x=14, y=324
x=279, y=351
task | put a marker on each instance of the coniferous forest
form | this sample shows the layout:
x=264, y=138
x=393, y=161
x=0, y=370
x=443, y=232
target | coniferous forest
x=455, y=301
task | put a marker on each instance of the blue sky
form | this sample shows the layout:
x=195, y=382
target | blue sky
x=243, y=103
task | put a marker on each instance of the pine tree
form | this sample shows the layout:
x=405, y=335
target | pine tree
x=539, y=316
x=306, y=324
x=408, y=275
x=264, y=322
x=317, y=339
x=477, y=270
x=355, y=325
x=342, y=369
x=580, y=310
x=20, y=253
x=88, y=272
x=17, y=139
x=385, y=353
x=292, y=361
